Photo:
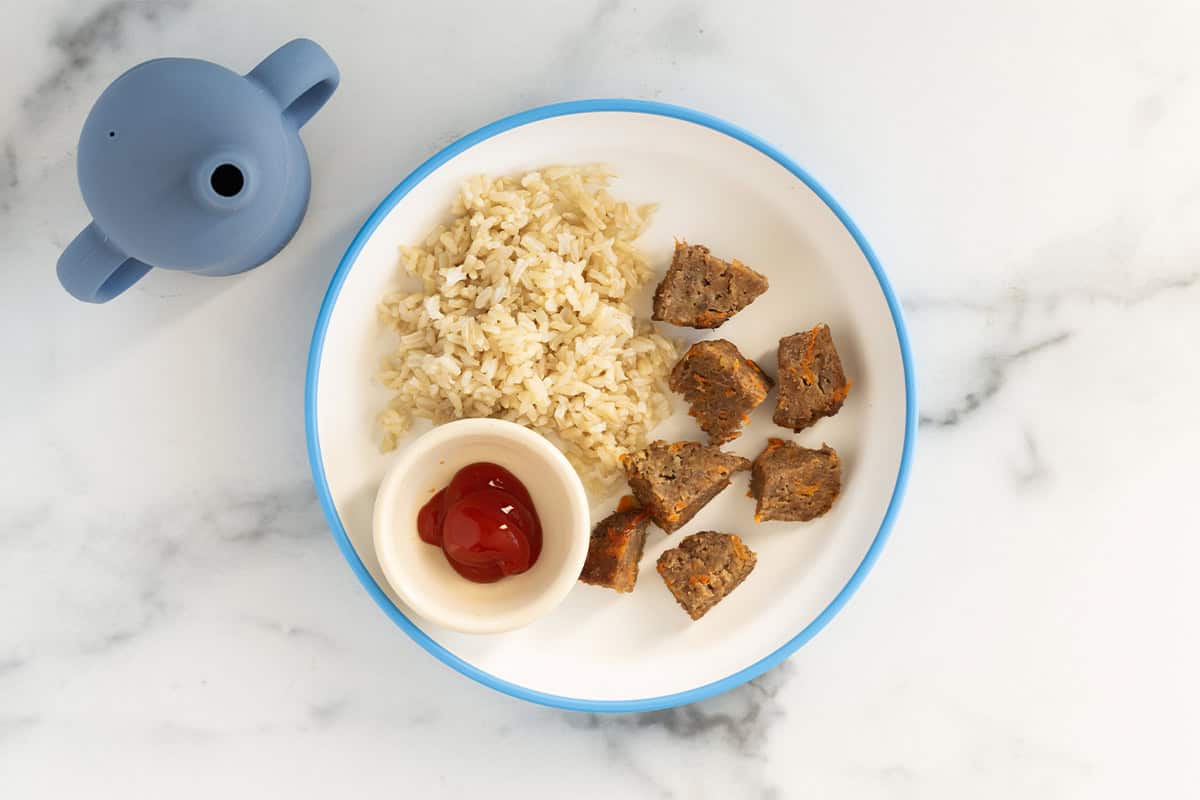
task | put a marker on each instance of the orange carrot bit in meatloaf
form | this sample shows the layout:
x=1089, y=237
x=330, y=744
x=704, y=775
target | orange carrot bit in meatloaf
x=674, y=481
x=721, y=386
x=704, y=569
x=628, y=503
x=812, y=384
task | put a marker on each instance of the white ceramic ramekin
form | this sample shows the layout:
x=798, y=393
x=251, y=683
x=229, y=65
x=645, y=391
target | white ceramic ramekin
x=419, y=572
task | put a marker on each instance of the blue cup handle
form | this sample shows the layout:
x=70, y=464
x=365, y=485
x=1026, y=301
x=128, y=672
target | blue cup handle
x=94, y=270
x=300, y=76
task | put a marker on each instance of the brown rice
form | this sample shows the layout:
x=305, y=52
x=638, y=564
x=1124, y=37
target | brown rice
x=525, y=315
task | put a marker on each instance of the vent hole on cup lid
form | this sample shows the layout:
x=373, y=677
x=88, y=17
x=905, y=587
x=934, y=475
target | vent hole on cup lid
x=227, y=180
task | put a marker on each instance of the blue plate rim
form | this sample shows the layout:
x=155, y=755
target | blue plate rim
x=318, y=467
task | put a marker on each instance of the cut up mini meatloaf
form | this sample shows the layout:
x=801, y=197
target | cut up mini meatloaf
x=703, y=291
x=704, y=568
x=811, y=381
x=674, y=481
x=722, y=387
x=794, y=483
x=615, y=549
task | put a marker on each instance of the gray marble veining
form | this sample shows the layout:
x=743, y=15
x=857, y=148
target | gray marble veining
x=77, y=41
x=993, y=369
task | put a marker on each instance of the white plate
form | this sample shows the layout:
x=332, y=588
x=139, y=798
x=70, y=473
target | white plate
x=722, y=187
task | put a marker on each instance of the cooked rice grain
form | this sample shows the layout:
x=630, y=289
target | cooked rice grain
x=525, y=316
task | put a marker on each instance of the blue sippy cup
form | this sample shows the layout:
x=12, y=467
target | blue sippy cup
x=186, y=165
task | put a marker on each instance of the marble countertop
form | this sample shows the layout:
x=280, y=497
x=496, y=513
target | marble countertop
x=174, y=616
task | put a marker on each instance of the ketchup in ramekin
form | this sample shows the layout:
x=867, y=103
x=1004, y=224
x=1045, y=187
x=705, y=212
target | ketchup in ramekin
x=485, y=523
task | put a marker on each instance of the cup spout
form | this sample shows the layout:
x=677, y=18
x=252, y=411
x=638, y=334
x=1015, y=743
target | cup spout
x=224, y=181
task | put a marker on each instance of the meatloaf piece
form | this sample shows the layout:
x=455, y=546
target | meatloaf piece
x=794, y=483
x=722, y=387
x=674, y=481
x=615, y=549
x=811, y=382
x=703, y=291
x=704, y=568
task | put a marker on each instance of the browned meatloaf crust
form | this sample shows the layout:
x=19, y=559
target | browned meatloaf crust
x=794, y=483
x=703, y=291
x=722, y=387
x=615, y=549
x=811, y=382
x=704, y=568
x=674, y=481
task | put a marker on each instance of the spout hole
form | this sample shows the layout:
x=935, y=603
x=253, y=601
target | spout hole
x=227, y=180
x=112, y=134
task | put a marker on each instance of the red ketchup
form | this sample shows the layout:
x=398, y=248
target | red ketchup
x=485, y=523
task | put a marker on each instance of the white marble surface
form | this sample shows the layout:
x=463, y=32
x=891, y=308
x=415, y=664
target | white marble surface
x=175, y=618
